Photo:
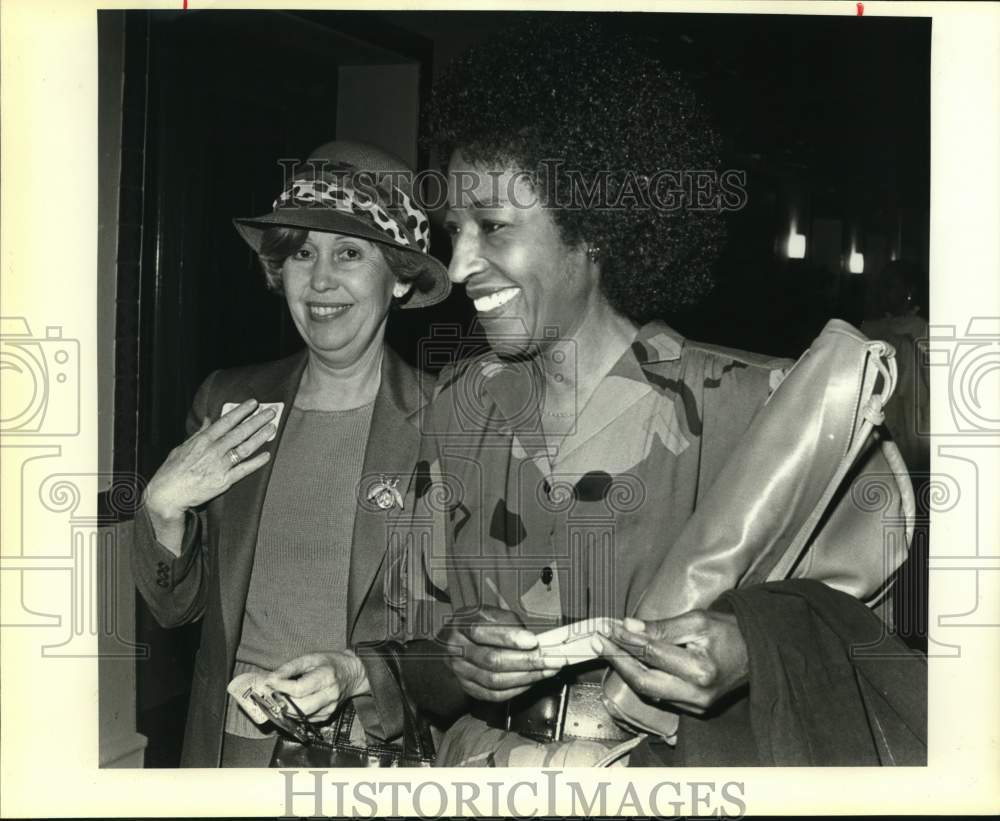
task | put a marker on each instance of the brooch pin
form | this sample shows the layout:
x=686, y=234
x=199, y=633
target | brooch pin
x=385, y=493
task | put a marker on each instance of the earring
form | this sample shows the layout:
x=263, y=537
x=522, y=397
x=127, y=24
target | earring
x=401, y=289
x=594, y=252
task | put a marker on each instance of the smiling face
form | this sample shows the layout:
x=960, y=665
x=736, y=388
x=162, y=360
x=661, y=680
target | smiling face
x=338, y=290
x=528, y=286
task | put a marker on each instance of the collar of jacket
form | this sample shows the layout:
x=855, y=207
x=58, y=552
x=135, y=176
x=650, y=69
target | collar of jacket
x=516, y=387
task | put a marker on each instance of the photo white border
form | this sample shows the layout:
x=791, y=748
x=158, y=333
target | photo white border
x=48, y=253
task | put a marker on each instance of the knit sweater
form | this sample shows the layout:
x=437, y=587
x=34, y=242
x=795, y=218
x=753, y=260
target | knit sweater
x=297, y=599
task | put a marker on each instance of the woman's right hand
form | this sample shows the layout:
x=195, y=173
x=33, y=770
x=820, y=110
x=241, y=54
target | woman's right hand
x=205, y=465
x=493, y=655
x=321, y=682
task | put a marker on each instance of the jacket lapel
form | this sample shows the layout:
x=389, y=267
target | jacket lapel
x=243, y=503
x=393, y=445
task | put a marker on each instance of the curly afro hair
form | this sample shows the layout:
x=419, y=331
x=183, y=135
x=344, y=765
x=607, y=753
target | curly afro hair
x=557, y=89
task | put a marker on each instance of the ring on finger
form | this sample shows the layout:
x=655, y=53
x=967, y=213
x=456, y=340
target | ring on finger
x=234, y=457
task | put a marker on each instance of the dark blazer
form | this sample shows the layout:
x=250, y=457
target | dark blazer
x=211, y=577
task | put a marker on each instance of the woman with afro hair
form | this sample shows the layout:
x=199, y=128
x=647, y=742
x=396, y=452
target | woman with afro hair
x=604, y=129
x=584, y=206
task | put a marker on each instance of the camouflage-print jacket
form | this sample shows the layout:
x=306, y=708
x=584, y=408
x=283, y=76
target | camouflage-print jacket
x=559, y=536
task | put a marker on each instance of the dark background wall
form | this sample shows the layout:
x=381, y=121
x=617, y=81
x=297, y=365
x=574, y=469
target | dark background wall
x=829, y=117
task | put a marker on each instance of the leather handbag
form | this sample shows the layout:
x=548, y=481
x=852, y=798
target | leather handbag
x=302, y=745
x=813, y=489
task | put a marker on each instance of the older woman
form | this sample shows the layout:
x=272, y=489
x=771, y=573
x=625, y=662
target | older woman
x=269, y=522
x=578, y=223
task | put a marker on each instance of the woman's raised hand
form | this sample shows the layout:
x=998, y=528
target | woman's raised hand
x=207, y=464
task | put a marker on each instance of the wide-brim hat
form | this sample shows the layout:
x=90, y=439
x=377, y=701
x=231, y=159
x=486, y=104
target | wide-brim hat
x=361, y=191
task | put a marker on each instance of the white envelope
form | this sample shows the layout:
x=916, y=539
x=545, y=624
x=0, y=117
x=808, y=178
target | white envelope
x=571, y=642
x=277, y=407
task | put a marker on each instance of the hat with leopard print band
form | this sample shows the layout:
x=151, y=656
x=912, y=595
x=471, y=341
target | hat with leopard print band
x=358, y=190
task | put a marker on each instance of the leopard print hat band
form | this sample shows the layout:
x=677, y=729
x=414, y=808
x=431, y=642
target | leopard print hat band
x=341, y=195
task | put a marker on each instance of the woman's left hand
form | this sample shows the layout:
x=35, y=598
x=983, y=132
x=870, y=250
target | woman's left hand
x=320, y=682
x=691, y=660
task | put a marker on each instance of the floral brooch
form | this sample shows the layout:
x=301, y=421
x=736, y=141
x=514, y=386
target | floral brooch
x=385, y=493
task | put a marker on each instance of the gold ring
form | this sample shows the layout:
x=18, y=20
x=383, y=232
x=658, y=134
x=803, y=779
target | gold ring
x=234, y=457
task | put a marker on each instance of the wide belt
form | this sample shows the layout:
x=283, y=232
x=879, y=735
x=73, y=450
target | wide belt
x=556, y=710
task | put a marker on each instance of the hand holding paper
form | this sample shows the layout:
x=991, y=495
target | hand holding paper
x=320, y=682
x=206, y=464
x=573, y=643
x=265, y=707
x=689, y=660
x=493, y=655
